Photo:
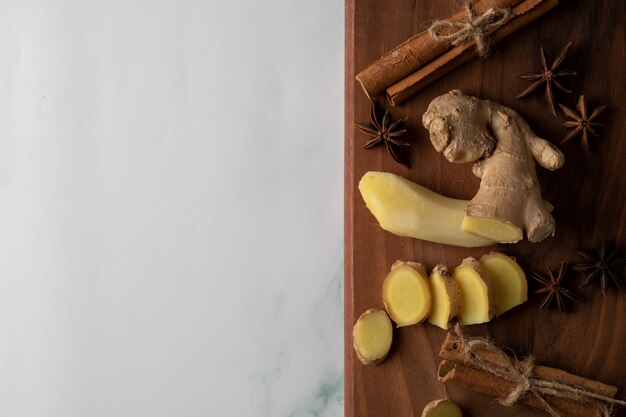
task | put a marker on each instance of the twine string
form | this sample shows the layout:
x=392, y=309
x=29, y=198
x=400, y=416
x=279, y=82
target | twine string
x=475, y=27
x=521, y=374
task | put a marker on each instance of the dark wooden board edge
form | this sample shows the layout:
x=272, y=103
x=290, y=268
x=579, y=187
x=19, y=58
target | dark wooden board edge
x=348, y=209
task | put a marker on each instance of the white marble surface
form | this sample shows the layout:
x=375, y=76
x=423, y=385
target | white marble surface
x=171, y=208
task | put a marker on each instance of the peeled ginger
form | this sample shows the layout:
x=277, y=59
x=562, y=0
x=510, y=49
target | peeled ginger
x=408, y=209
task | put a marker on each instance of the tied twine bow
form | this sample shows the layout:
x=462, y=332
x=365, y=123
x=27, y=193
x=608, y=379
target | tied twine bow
x=476, y=28
x=521, y=373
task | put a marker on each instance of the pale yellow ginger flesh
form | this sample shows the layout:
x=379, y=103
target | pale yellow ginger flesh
x=477, y=292
x=406, y=294
x=442, y=408
x=508, y=279
x=408, y=209
x=496, y=229
x=372, y=335
x=446, y=297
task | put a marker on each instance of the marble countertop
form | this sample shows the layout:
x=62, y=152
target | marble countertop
x=171, y=208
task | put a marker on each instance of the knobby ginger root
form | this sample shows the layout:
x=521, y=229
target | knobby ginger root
x=504, y=149
x=477, y=292
x=371, y=336
x=406, y=293
x=446, y=297
x=442, y=408
x=508, y=279
x=408, y=209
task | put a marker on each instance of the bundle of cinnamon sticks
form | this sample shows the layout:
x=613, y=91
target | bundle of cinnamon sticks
x=421, y=59
x=487, y=370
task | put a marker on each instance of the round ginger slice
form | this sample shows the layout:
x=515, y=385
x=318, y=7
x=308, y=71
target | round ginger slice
x=508, y=279
x=371, y=336
x=406, y=293
x=445, y=297
x=442, y=408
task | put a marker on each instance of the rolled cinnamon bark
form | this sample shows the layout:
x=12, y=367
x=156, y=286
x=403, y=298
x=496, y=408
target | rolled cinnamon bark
x=414, y=53
x=486, y=383
x=487, y=369
x=450, y=350
x=523, y=14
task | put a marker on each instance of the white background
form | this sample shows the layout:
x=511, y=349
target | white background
x=171, y=208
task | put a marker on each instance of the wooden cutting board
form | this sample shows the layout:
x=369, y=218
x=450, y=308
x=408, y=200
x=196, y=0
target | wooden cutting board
x=589, y=195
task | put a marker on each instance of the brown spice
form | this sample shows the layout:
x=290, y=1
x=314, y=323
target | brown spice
x=416, y=52
x=599, y=265
x=478, y=364
x=548, y=76
x=384, y=130
x=400, y=85
x=580, y=122
x=553, y=288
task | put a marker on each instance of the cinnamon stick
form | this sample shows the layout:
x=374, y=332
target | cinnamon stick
x=526, y=12
x=415, y=52
x=450, y=350
x=486, y=383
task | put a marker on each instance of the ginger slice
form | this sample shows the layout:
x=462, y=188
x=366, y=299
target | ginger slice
x=445, y=297
x=371, y=336
x=408, y=209
x=406, y=293
x=442, y=408
x=477, y=292
x=508, y=279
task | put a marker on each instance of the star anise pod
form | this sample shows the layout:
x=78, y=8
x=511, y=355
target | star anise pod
x=548, y=76
x=599, y=264
x=384, y=130
x=580, y=122
x=553, y=288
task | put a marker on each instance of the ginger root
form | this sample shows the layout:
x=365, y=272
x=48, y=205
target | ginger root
x=477, y=292
x=408, y=209
x=446, y=297
x=504, y=149
x=508, y=279
x=406, y=293
x=442, y=408
x=371, y=336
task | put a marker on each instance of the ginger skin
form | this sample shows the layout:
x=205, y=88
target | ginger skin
x=504, y=150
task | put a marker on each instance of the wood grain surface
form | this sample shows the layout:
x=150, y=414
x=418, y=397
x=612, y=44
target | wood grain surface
x=589, y=195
